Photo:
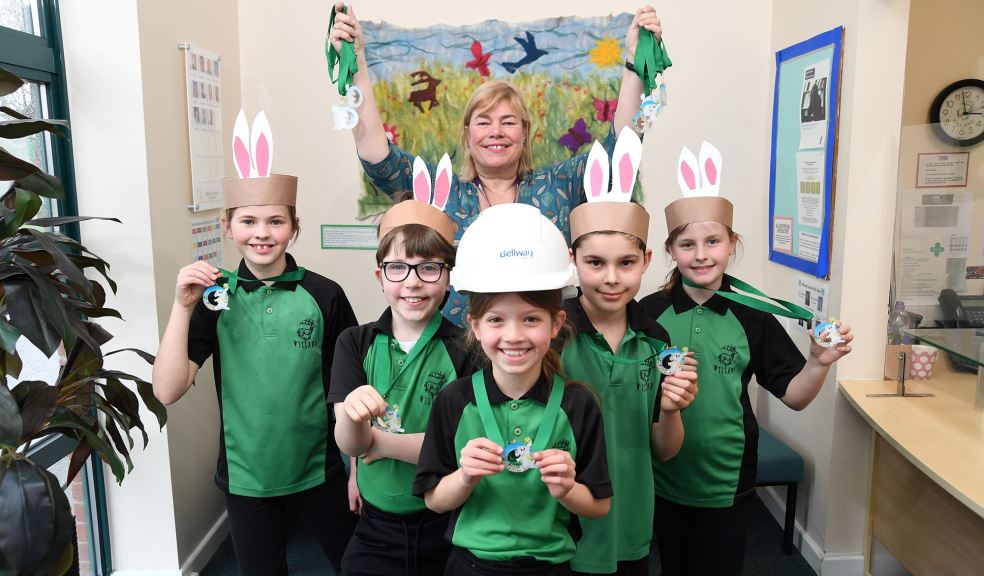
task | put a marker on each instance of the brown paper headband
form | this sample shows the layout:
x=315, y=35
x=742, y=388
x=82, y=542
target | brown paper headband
x=414, y=212
x=698, y=209
x=624, y=217
x=274, y=190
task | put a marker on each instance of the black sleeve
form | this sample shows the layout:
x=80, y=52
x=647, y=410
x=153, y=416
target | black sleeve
x=438, y=456
x=589, y=432
x=347, y=366
x=464, y=362
x=338, y=315
x=775, y=358
x=202, y=338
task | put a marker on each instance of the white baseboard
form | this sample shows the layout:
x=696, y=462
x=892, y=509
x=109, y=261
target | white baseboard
x=813, y=553
x=202, y=553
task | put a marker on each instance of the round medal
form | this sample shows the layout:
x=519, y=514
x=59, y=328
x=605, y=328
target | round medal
x=518, y=456
x=390, y=421
x=671, y=360
x=216, y=297
x=827, y=334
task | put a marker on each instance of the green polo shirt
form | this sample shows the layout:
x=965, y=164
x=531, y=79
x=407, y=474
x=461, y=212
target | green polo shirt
x=387, y=484
x=628, y=394
x=716, y=464
x=273, y=350
x=512, y=515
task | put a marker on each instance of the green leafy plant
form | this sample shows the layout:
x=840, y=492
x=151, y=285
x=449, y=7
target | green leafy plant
x=46, y=297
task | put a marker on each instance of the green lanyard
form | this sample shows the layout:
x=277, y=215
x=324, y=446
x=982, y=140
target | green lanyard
x=382, y=355
x=592, y=343
x=787, y=309
x=650, y=59
x=234, y=280
x=492, y=427
x=347, y=63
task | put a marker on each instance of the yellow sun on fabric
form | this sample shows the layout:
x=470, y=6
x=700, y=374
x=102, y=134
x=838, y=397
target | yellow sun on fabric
x=606, y=52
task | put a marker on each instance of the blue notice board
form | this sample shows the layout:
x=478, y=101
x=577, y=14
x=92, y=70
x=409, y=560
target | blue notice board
x=804, y=151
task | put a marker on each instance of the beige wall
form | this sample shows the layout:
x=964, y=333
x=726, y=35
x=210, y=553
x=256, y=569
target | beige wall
x=167, y=512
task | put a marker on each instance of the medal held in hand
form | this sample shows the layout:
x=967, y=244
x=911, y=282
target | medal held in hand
x=671, y=360
x=216, y=297
x=827, y=334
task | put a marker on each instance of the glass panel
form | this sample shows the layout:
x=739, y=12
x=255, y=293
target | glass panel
x=965, y=342
x=31, y=100
x=78, y=500
x=20, y=15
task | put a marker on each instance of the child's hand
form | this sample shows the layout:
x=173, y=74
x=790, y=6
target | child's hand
x=376, y=449
x=645, y=17
x=354, y=496
x=193, y=279
x=346, y=28
x=827, y=356
x=364, y=403
x=480, y=457
x=556, y=470
x=680, y=389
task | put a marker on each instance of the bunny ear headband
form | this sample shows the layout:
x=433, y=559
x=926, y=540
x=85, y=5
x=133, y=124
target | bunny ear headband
x=256, y=186
x=427, y=206
x=701, y=202
x=612, y=210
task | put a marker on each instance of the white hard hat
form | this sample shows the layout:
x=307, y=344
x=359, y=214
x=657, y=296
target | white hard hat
x=512, y=248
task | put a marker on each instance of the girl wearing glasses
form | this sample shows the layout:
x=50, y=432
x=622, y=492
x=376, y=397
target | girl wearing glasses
x=384, y=379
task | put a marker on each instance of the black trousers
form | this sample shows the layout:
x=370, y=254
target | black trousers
x=701, y=541
x=638, y=567
x=392, y=545
x=461, y=562
x=259, y=526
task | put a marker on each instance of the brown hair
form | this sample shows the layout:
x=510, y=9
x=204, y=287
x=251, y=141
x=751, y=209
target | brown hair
x=577, y=243
x=486, y=97
x=418, y=241
x=291, y=214
x=548, y=300
x=674, y=276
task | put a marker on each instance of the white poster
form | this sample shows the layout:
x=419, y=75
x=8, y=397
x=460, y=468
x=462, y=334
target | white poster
x=922, y=269
x=811, y=294
x=809, y=184
x=813, y=105
x=809, y=246
x=782, y=234
x=204, y=94
x=942, y=170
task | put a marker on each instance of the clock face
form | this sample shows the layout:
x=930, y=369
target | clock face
x=959, y=110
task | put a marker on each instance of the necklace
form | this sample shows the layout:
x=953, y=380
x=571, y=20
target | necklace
x=485, y=195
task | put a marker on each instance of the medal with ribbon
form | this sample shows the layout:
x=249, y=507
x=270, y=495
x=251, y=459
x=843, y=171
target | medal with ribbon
x=392, y=421
x=650, y=61
x=217, y=297
x=344, y=117
x=780, y=308
x=518, y=456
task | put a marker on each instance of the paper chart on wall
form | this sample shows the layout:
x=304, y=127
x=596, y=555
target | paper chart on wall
x=811, y=293
x=204, y=97
x=206, y=240
x=809, y=188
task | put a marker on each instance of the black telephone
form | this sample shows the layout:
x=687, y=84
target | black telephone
x=961, y=311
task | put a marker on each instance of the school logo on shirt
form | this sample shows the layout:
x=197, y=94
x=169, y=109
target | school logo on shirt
x=726, y=357
x=432, y=385
x=562, y=445
x=304, y=332
x=647, y=375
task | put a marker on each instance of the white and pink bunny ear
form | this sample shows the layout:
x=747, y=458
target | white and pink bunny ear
x=442, y=183
x=261, y=145
x=710, y=169
x=625, y=164
x=596, y=173
x=688, y=174
x=421, y=181
x=240, y=148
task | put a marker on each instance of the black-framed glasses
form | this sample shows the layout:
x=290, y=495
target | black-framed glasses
x=429, y=272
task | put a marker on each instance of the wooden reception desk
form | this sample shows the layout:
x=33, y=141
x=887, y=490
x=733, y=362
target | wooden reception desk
x=927, y=484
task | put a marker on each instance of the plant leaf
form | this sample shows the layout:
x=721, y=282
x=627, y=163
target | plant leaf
x=64, y=263
x=13, y=168
x=12, y=129
x=62, y=220
x=42, y=184
x=37, y=402
x=9, y=82
x=8, y=337
x=146, y=391
x=13, y=113
x=72, y=424
x=26, y=205
x=79, y=456
x=27, y=315
x=148, y=358
x=11, y=425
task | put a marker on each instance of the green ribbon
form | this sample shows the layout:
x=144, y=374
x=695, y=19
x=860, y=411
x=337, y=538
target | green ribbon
x=492, y=427
x=787, y=309
x=382, y=355
x=347, y=65
x=650, y=59
x=234, y=280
